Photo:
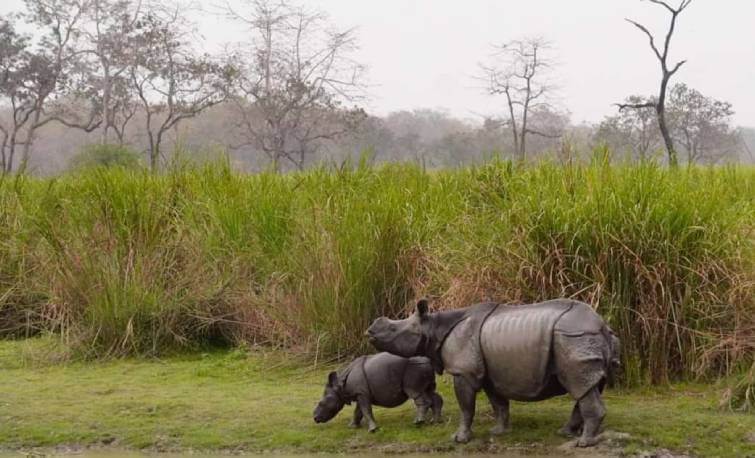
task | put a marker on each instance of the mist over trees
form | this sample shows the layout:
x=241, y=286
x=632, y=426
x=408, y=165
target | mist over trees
x=290, y=93
x=698, y=125
x=295, y=82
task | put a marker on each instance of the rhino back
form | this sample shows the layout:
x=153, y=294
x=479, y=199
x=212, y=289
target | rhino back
x=385, y=374
x=516, y=346
x=581, y=319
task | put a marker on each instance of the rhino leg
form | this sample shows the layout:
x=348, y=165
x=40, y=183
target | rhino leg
x=581, y=366
x=501, y=408
x=366, y=407
x=592, y=409
x=574, y=426
x=356, y=422
x=437, y=407
x=466, y=392
x=423, y=402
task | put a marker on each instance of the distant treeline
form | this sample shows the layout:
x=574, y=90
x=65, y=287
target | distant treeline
x=431, y=138
x=291, y=94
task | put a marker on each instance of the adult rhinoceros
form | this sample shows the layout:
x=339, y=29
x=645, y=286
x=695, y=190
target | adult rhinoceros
x=513, y=352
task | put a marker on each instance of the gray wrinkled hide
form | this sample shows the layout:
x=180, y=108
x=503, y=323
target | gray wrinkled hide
x=518, y=346
x=392, y=379
x=384, y=380
x=512, y=352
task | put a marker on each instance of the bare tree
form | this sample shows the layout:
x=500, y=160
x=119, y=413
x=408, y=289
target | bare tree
x=300, y=76
x=667, y=72
x=171, y=80
x=520, y=71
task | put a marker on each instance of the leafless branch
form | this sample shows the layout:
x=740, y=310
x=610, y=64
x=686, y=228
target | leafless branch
x=650, y=37
x=636, y=106
x=544, y=134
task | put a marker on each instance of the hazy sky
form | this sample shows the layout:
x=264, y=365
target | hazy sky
x=425, y=53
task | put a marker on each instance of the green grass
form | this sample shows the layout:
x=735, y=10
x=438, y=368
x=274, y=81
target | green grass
x=262, y=401
x=122, y=262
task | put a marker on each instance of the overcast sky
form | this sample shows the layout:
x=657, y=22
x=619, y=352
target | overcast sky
x=425, y=53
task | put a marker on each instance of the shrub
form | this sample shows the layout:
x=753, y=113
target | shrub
x=94, y=156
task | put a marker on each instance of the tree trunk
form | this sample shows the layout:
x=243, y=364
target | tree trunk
x=512, y=116
x=11, y=150
x=3, y=146
x=661, y=111
x=523, y=136
x=26, y=154
x=153, y=152
x=106, y=115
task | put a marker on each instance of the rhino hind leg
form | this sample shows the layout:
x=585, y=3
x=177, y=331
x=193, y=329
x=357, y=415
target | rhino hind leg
x=581, y=363
x=501, y=409
x=573, y=427
x=366, y=407
x=592, y=410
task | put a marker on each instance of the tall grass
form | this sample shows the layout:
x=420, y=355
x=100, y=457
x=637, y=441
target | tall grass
x=123, y=262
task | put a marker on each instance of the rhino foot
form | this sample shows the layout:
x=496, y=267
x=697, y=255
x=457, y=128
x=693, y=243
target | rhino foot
x=355, y=425
x=498, y=430
x=462, y=436
x=587, y=441
x=373, y=428
x=569, y=432
x=419, y=421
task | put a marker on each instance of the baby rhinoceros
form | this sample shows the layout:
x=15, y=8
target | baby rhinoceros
x=384, y=380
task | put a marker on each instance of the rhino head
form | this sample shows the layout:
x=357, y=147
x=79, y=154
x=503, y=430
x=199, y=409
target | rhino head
x=332, y=400
x=405, y=337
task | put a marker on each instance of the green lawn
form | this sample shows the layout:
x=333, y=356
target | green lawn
x=262, y=401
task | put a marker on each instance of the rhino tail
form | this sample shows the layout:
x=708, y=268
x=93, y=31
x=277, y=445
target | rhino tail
x=614, y=354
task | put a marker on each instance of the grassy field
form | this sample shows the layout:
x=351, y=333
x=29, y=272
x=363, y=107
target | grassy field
x=129, y=263
x=262, y=402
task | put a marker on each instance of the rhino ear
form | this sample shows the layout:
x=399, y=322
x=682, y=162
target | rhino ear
x=333, y=379
x=422, y=307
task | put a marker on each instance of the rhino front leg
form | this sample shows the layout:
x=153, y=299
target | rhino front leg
x=501, y=408
x=466, y=393
x=592, y=409
x=366, y=407
x=356, y=422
